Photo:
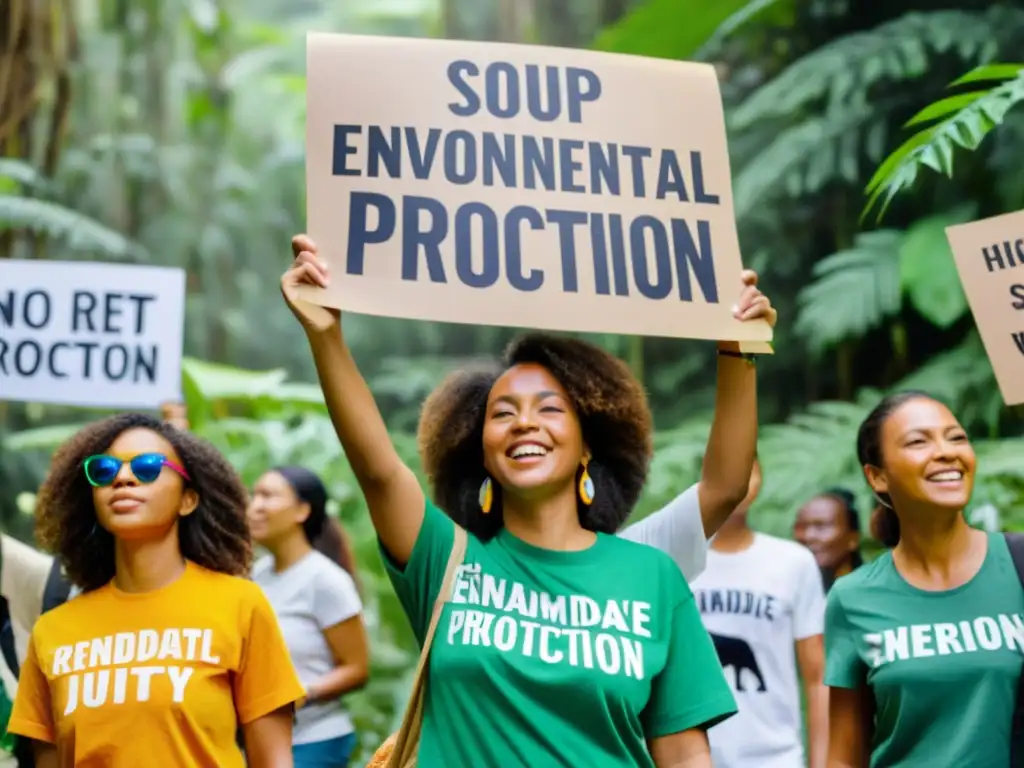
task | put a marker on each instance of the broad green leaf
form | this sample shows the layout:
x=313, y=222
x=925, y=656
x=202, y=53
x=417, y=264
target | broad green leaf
x=224, y=382
x=41, y=438
x=928, y=272
x=667, y=29
x=943, y=107
x=989, y=72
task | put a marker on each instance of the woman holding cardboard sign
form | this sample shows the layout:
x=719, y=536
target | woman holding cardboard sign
x=557, y=643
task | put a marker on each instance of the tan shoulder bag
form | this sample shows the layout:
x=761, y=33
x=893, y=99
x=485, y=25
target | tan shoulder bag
x=401, y=748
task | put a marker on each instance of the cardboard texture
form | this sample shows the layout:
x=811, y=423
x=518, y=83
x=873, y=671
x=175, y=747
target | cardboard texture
x=522, y=186
x=990, y=259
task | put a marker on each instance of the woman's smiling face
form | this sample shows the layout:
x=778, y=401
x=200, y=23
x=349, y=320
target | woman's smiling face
x=532, y=439
x=927, y=456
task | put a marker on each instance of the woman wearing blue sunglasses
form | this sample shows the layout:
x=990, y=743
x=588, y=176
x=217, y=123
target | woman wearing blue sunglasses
x=169, y=649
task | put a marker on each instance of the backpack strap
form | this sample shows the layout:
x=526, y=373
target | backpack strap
x=1015, y=542
x=57, y=587
x=7, y=647
x=7, y=639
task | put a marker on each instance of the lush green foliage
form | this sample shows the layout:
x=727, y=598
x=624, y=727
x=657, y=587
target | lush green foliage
x=167, y=152
x=963, y=120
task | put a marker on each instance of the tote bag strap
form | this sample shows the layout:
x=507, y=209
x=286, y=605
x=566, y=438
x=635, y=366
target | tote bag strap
x=1015, y=541
x=408, y=736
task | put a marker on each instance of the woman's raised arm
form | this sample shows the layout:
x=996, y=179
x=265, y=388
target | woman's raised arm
x=732, y=443
x=392, y=492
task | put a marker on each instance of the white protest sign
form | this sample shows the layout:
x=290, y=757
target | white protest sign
x=87, y=334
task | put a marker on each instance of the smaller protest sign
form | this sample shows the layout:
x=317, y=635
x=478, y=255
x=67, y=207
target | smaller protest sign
x=990, y=258
x=100, y=335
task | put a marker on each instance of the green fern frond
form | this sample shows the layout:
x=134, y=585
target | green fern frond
x=963, y=379
x=843, y=71
x=963, y=120
x=41, y=438
x=1001, y=458
x=72, y=229
x=853, y=290
x=19, y=171
x=803, y=159
x=827, y=431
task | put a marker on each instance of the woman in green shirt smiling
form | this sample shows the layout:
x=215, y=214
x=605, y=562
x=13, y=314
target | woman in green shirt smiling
x=923, y=645
x=563, y=645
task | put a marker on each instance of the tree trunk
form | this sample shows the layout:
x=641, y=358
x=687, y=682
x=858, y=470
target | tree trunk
x=515, y=21
x=38, y=44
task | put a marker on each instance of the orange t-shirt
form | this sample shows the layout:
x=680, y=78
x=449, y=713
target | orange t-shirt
x=157, y=679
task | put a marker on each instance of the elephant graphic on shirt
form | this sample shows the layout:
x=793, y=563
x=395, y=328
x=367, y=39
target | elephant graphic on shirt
x=736, y=653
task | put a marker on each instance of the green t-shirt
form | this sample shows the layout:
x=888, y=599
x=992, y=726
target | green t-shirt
x=943, y=666
x=546, y=658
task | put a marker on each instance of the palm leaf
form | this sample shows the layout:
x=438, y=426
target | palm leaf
x=962, y=378
x=853, y=290
x=803, y=158
x=843, y=71
x=19, y=171
x=41, y=438
x=74, y=230
x=827, y=431
x=963, y=120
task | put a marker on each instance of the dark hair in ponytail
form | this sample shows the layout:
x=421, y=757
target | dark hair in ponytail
x=885, y=525
x=849, y=503
x=311, y=490
x=325, y=535
x=333, y=543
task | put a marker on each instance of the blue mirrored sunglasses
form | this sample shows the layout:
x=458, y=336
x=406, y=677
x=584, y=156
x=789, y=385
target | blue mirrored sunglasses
x=101, y=470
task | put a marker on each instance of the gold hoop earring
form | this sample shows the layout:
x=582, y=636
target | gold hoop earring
x=486, y=498
x=586, y=486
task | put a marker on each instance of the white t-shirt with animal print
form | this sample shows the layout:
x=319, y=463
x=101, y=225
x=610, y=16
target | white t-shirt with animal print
x=756, y=604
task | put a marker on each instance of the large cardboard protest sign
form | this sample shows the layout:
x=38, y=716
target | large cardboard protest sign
x=103, y=335
x=521, y=186
x=990, y=258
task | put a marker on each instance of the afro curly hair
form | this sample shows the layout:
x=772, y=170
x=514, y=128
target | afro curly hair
x=215, y=535
x=614, y=418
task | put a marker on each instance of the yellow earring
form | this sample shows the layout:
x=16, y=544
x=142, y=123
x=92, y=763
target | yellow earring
x=486, y=495
x=586, y=485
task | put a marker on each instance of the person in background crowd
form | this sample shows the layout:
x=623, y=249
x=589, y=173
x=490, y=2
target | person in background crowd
x=829, y=526
x=332, y=542
x=540, y=461
x=175, y=415
x=762, y=600
x=168, y=648
x=923, y=643
x=31, y=583
x=318, y=607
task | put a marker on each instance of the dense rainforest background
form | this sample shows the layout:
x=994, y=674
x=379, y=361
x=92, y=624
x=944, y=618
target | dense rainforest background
x=171, y=132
